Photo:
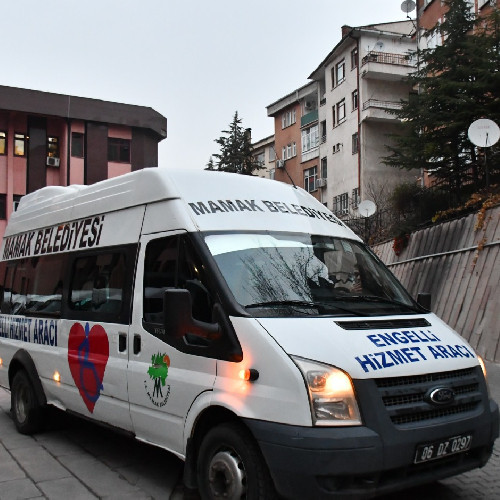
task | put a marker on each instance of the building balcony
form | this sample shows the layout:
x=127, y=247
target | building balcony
x=309, y=118
x=376, y=110
x=386, y=66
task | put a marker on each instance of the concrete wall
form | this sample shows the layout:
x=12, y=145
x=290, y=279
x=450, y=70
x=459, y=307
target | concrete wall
x=460, y=265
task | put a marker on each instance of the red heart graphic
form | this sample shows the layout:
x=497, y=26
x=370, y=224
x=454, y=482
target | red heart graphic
x=88, y=353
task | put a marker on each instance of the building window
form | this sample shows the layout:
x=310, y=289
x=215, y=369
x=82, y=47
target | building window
x=340, y=111
x=310, y=139
x=77, y=145
x=289, y=151
x=341, y=204
x=3, y=143
x=272, y=154
x=118, y=150
x=340, y=72
x=53, y=147
x=19, y=145
x=323, y=131
x=288, y=118
x=310, y=179
x=355, y=143
x=15, y=201
x=355, y=198
x=3, y=206
x=272, y=174
x=260, y=159
x=334, y=116
x=324, y=168
x=355, y=99
x=354, y=58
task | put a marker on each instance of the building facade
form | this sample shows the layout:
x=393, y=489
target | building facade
x=297, y=138
x=432, y=12
x=265, y=154
x=50, y=139
x=331, y=134
x=360, y=82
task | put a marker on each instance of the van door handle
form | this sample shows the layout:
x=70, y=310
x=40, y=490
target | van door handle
x=122, y=342
x=137, y=344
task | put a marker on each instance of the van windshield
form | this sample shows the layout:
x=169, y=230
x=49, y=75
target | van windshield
x=289, y=274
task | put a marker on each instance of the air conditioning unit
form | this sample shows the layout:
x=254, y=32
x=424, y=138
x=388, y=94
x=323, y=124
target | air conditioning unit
x=280, y=164
x=52, y=161
x=320, y=183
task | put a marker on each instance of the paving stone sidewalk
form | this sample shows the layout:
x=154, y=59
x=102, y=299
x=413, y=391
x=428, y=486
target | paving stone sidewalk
x=77, y=460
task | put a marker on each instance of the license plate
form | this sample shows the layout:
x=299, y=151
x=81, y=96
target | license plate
x=443, y=448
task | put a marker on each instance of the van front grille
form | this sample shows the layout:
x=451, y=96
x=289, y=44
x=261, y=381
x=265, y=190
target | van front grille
x=407, y=400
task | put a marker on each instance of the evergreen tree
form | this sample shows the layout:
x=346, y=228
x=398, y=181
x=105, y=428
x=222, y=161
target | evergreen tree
x=236, y=153
x=456, y=83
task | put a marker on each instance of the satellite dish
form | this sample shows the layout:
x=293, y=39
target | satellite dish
x=484, y=133
x=367, y=208
x=408, y=6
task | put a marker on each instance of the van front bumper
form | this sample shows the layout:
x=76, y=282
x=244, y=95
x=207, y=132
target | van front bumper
x=354, y=462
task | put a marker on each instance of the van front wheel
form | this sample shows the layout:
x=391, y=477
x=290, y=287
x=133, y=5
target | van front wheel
x=230, y=466
x=26, y=410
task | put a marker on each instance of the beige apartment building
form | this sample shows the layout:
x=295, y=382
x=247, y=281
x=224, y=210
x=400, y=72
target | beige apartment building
x=332, y=134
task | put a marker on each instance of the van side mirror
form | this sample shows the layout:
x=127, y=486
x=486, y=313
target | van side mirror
x=178, y=317
x=424, y=300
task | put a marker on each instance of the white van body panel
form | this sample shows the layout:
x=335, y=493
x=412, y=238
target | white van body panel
x=373, y=353
x=158, y=412
x=279, y=394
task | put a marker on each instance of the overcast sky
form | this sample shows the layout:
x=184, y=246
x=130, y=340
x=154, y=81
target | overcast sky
x=194, y=61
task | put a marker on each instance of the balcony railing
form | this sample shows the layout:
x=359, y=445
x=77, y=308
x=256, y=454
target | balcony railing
x=387, y=58
x=375, y=103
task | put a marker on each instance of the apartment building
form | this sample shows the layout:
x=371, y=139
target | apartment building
x=332, y=133
x=360, y=82
x=433, y=12
x=51, y=139
x=265, y=154
x=297, y=138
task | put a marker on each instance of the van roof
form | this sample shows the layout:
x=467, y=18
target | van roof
x=53, y=204
x=213, y=201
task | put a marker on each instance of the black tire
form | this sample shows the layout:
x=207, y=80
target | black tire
x=230, y=466
x=26, y=411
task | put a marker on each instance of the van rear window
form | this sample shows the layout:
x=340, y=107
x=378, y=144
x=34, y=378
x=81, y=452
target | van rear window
x=33, y=286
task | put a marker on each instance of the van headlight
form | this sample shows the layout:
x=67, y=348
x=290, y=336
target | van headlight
x=331, y=394
x=483, y=368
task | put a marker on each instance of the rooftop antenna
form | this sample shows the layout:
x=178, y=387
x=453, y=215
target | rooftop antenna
x=409, y=6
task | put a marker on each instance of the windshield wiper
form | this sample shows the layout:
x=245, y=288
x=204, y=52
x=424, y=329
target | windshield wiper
x=381, y=300
x=277, y=303
x=321, y=306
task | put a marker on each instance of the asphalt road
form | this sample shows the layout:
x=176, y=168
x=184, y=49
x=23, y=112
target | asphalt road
x=74, y=459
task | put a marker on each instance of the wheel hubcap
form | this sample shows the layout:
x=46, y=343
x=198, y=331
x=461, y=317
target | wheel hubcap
x=227, y=475
x=22, y=403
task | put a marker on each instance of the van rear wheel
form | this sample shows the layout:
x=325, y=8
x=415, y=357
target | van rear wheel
x=230, y=466
x=26, y=411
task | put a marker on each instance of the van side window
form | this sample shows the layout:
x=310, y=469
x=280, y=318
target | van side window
x=97, y=284
x=173, y=262
x=33, y=286
x=46, y=285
